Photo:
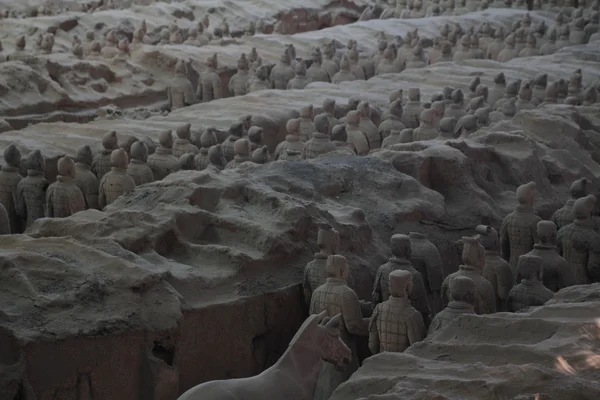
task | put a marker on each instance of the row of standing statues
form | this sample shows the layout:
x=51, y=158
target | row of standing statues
x=518, y=267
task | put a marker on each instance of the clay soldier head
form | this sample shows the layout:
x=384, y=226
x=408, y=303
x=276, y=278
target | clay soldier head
x=414, y=94
x=447, y=127
x=579, y=188
x=110, y=141
x=322, y=124
x=336, y=266
x=12, y=156
x=526, y=194
x=329, y=106
x=541, y=80
x=20, y=43
x=547, y=232
x=242, y=148
x=488, y=237
x=84, y=155
x=139, y=151
x=509, y=108
x=165, y=139
x=260, y=155
x=463, y=289
x=183, y=131
x=584, y=207
x=300, y=69
x=483, y=116
x=525, y=91
x=400, y=246
x=215, y=155
x=208, y=138
x=306, y=112
x=530, y=267
x=500, y=79
x=328, y=239
x=35, y=162
x=473, y=253
x=339, y=134
x=458, y=97
x=66, y=167
x=293, y=126
x=118, y=159
x=255, y=134
x=353, y=118
x=400, y=283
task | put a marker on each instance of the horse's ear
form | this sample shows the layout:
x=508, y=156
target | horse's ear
x=321, y=317
x=335, y=322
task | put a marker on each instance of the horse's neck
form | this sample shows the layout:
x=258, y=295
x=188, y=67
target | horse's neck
x=301, y=365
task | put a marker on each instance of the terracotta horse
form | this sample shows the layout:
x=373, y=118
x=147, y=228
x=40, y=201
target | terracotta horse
x=294, y=375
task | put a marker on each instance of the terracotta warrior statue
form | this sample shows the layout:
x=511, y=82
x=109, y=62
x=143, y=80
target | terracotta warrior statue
x=344, y=74
x=242, y=153
x=209, y=85
x=101, y=164
x=336, y=297
x=236, y=131
x=463, y=292
x=357, y=140
x=496, y=270
x=31, y=190
x=306, y=124
x=339, y=138
x=180, y=91
x=238, y=84
x=328, y=241
x=216, y=158
x=496, y=46
x=518, y=232
x=540, y=82
x=138, y=169
x=329, y=111
x=412, y=109
x=395, y=324
x=282, y=72
x=427, y=260
x=400, y=245
x=292, y=140
x=85, y=179
x=564, y=215
x=319, y=142
x=63, y=197
x=579, y=243
x=162, y=162
x=530, y=291
x=182, y=144
x=300, y=80
x=316, y=72
x=260, y=80
x=557, y=273
x=116, y=182
x=9, y=181
x=473, y=256
x=207, y=140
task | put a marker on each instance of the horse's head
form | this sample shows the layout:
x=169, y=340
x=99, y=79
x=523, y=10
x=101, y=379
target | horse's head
x=329, y=343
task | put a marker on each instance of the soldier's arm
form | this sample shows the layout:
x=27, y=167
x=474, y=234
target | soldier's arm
x=555, y=217
x=533, y=230
x=20, y=207
x=377, y=288
x=593, y=266
x=189, y=95
x=505, y=281
x=419, y=299
x=216, y=88
x=101, y=194
x=435, y=273
x=48, y=209
x=76, y=201
x=504, y=239
x=230, y=85
x=444, y=291
x=352, y=315
x=306, y=287
x=373, y=333
x=415, y=328
x=559, y=240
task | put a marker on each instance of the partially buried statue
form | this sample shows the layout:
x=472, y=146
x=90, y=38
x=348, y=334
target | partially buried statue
x=426, y=259
x=579, y=243
x=518, y=232
x=335, y=297
x=400, y=245
x=530, y=291
x=557, y=272
x=31, y=191
x=207, y=139
x=315, y=274
x=463, y=293
x=182, y=144
x=85, y=178
x=63, y=197
x=395, y=324
x=116, y=182
x=496, y=270
x=564, y=215
x=162, y=162
x=209, y=86
x=101, y=164
x=138, y=169
x=9, y=181
x=294, y=376
x=473, y=257
x=319, y=143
